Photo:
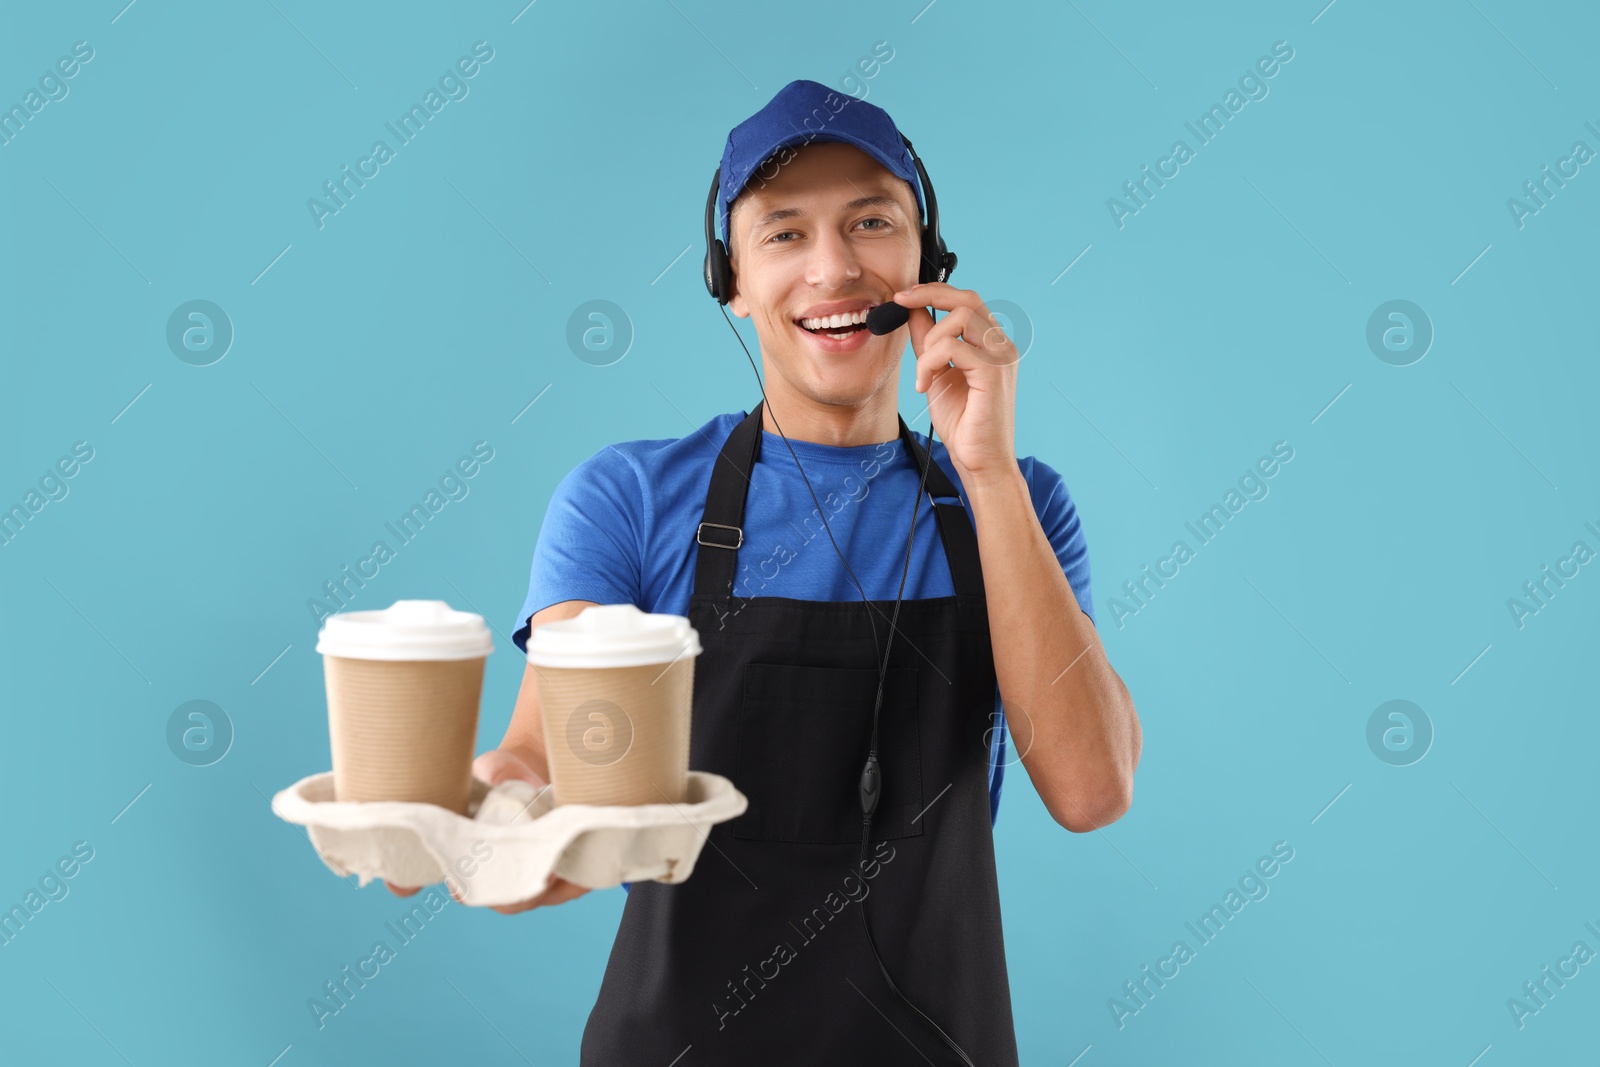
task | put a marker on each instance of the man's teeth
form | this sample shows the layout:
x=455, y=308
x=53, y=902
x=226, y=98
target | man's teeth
x=834, y=322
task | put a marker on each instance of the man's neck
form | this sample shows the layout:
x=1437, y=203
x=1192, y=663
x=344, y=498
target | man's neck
x=872, y=422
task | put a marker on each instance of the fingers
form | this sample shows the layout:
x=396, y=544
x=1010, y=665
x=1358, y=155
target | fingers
x=928, y=336
x=557, y=891
x=990, y=339
x=966, y=339
x=920, y=322
x=563, y=891
x=939, y=295
x=943, y=346
x=978, y=327
x=956, y=326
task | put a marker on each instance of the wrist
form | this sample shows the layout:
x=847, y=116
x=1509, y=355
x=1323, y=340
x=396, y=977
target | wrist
x=989, y=483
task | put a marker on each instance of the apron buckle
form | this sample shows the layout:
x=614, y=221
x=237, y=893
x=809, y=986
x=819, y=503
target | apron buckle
x=700, y=535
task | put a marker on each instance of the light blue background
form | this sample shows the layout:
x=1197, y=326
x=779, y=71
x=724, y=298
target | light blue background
x=1223, y=317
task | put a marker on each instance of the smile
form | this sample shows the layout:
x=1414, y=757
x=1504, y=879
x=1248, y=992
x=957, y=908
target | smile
x=837, y=328
x=841, y=325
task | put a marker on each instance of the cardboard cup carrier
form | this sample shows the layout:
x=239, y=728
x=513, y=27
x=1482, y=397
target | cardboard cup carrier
x=403, y=689
x=615, y=692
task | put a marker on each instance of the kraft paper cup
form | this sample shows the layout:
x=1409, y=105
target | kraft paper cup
x=616, y=690
x=403, y=689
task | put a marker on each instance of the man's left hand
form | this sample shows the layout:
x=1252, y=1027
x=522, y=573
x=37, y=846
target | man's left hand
x=968, y=367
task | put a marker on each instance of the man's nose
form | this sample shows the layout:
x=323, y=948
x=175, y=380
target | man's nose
x=833, y=262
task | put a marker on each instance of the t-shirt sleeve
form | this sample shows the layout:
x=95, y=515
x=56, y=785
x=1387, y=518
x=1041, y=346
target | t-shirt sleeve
x=590, y=544
x=1058, y=515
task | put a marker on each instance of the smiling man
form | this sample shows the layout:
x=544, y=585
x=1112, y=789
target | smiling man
x=772, y=529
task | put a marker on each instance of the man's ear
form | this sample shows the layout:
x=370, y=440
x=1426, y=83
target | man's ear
x=736, y=303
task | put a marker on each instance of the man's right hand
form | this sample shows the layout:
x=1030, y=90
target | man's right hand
x=496, y=766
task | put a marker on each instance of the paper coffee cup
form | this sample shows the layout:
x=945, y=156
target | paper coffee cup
x=616, y=688
x=403, y=689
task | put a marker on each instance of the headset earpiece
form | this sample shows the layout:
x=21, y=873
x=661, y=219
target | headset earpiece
x=938, y=262
x=718, y=270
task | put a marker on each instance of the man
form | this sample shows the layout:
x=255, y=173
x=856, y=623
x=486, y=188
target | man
x=741, y=963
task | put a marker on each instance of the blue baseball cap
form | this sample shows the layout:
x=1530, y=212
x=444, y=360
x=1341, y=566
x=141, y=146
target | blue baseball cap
x=802, y=112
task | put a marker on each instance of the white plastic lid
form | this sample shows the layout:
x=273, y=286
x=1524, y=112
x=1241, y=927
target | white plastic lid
x=406, y=630
x=612, y=635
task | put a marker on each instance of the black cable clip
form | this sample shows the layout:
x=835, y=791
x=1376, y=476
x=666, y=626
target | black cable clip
x=871, y=784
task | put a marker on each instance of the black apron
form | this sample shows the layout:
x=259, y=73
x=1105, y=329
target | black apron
x=759, y=957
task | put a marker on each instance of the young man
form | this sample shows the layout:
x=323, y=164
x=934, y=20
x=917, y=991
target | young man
x=753, y=959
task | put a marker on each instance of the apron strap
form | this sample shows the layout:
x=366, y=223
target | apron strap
x=720, y=532
x=956, y=530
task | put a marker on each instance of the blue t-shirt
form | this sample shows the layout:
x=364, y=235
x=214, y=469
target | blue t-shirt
x=620, y=529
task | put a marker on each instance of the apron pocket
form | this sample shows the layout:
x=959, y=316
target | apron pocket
x=803, y=736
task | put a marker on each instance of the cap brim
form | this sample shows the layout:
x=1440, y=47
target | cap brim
x=811, y=137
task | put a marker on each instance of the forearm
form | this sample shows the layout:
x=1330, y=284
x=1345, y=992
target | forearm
x=1070, y=716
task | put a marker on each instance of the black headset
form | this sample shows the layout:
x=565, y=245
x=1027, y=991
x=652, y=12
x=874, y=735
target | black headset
x=937, y=264
x=937, y=261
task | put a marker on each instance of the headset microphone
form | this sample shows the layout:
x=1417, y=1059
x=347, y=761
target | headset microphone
x=887, y=318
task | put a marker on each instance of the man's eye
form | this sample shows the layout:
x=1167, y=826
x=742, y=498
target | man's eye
x=882, y=222
x=785, y=233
